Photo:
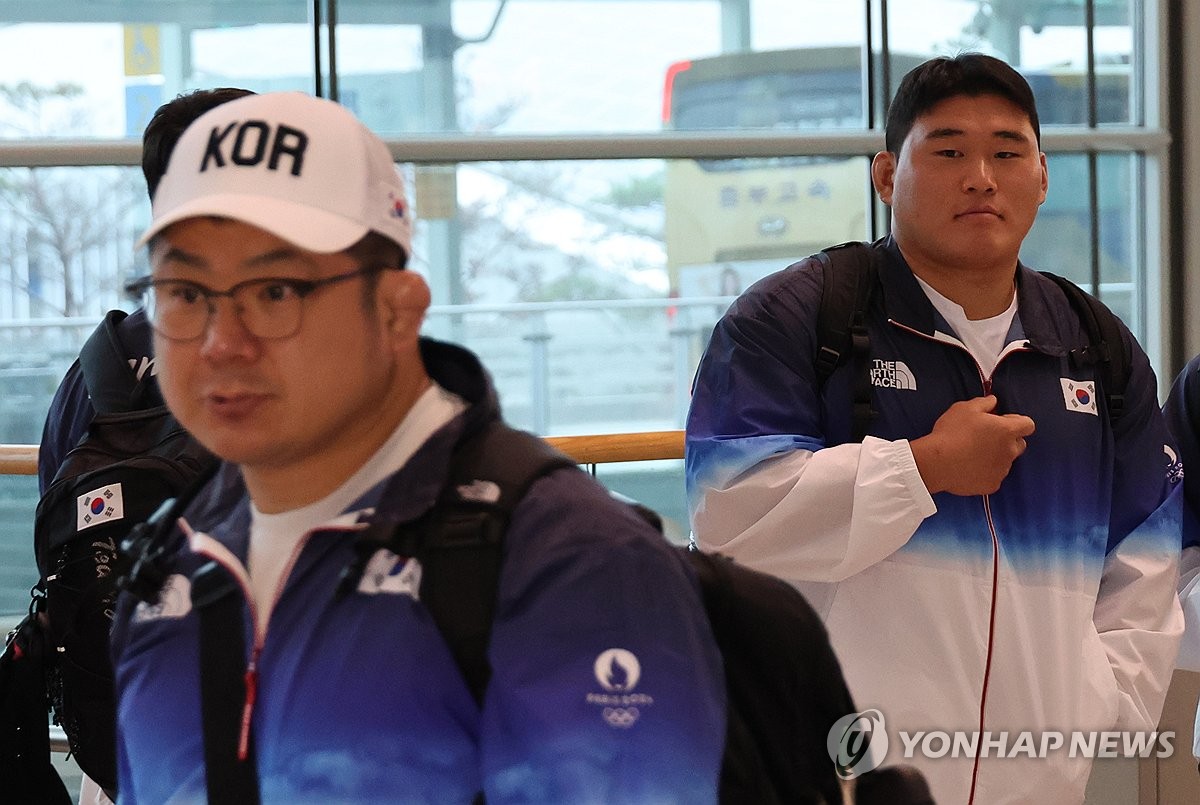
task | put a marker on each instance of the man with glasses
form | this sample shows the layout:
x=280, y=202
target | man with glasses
x=286, y=337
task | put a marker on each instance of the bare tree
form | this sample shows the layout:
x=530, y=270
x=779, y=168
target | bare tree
x=68, y=227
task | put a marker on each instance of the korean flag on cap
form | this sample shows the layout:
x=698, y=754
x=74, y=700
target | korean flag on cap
x=1079, y=395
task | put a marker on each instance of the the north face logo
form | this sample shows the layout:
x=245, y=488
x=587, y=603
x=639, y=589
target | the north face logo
x=893, y=375
x=255, y=141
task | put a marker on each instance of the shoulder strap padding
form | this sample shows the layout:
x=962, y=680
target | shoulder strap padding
x=1106, y=349
x=460, y=542
x=510, y=458
x=230, y=766
x=850, y=274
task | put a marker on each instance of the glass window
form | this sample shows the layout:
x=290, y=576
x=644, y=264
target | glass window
x=1067, y=228
x=730, y=222
x=734, y=139
x=18, y=497
x=108, y=76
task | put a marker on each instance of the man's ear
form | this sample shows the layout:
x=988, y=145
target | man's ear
x=1045, y=179
x=405, y=297
x=883, y=174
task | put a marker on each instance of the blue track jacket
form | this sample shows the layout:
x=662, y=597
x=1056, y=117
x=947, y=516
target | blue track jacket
x=1046, y=607
x=360, y=701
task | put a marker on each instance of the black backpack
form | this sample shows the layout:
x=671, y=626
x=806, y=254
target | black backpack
x=132, y=458
x=785, y=688
x=850, y=274
x=29, y=776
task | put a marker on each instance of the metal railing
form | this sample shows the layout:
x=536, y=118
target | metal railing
x=551, y=361
x=450, y=148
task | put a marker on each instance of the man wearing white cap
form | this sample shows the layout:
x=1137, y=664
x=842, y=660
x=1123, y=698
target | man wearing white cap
x=286, y=335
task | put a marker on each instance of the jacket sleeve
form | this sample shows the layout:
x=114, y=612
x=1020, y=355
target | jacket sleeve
x=606, y=683
x=1182, y=412
x=757, y=462
x=1137, y=613
x=66, y=423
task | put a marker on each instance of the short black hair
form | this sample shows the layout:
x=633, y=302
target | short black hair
x=376, y=249
x=170, y=121
x=932, y=82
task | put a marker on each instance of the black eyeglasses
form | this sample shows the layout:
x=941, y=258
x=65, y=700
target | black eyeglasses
x=269, y=308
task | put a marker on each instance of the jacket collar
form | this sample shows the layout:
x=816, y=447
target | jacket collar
x=1040, y=305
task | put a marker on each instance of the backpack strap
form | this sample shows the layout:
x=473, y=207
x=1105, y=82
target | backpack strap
x=461, y=555
x=226, y=688
x=459, y=542
x=1106, y=349
x=111, y=383
x=850, y=273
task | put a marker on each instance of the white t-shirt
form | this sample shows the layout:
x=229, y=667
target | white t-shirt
x=983, y=338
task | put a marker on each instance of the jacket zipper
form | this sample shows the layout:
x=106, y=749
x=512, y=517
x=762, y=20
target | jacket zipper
x=251, y=682
x=986, y=381
x=209, y=547
x=260, y=634
x=987, y=665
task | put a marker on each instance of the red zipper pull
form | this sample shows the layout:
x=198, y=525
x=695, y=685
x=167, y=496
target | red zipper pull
x=251, y=680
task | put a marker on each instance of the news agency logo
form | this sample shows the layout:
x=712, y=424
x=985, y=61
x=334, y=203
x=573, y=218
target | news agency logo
x=857, y=743
x=936, y=744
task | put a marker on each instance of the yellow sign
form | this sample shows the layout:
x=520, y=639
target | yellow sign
x=143, y=50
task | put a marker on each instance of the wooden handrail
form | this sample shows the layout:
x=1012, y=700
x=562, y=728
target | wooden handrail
x=18, y=459
x=609, y=447
x=21, y=459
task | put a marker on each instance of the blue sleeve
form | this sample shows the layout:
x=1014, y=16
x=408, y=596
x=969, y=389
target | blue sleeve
x=755, y=394
x=606, y=685
x=1182, y=412
x=66, y=423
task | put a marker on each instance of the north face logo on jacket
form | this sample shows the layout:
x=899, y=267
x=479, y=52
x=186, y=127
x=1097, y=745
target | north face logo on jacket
x=893, y=375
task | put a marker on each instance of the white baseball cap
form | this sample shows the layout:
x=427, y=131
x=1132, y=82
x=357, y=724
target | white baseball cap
x=302, y=168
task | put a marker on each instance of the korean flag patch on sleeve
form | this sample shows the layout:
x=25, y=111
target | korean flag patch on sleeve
x=101, y=505
x=1079, y=395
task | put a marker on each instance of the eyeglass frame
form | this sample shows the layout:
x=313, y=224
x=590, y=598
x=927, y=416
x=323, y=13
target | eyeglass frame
x=139, y=289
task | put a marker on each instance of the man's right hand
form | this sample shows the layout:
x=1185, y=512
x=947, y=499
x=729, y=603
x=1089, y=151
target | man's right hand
x=970, y=449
